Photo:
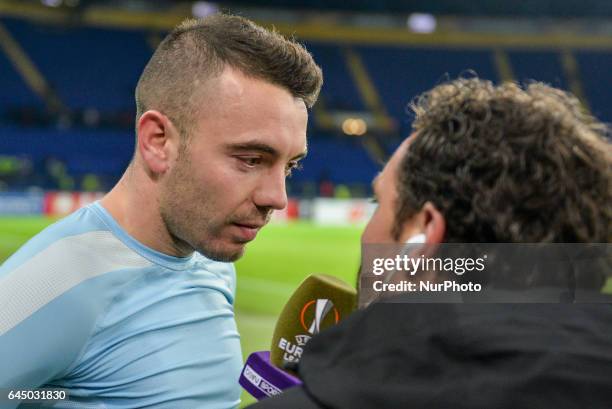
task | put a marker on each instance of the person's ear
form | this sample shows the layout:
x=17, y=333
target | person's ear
x=157, y=141
x=434, y=224
x=422, y=235
x=428, y=226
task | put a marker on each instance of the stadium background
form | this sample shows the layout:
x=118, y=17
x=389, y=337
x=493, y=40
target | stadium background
x=68, y=69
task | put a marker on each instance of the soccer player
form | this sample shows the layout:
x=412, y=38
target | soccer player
x=129, y=301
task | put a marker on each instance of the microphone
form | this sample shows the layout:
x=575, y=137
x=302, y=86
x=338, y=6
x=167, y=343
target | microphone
x=319, y=302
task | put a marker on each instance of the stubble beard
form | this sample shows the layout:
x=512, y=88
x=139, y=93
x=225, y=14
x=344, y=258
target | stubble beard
x=194, y=231
x=187, y=215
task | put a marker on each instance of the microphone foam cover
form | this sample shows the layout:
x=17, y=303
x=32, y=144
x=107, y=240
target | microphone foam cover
x=319, y=302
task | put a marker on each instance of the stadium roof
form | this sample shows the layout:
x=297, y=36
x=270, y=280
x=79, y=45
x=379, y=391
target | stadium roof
x=484, y=8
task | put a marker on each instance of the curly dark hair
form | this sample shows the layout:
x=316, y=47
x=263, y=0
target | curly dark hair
x=508, y=164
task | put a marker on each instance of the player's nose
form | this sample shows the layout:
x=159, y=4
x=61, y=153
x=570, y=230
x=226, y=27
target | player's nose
x=271, y=192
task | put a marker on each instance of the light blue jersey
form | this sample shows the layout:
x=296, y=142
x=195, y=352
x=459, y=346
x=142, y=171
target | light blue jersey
x=86, y=308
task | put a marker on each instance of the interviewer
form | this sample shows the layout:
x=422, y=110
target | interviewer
x=485, y=164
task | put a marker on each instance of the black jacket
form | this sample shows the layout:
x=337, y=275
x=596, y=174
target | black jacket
x=428, y=356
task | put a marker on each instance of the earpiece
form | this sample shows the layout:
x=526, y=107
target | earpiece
x=417, y=239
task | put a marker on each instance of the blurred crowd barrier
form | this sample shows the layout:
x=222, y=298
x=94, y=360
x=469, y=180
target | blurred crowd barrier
x=321, y=211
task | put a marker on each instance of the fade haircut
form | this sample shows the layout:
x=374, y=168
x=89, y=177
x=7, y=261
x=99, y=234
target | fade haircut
x=197, y=51
x=508, y=164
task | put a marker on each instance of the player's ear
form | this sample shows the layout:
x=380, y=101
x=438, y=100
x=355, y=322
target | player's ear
x=157, y=141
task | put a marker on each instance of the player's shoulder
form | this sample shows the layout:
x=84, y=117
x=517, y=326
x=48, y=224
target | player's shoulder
x=81, y=240
x=80, y=222
x=76, y=265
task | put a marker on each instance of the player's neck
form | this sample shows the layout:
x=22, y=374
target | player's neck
x=133, y=205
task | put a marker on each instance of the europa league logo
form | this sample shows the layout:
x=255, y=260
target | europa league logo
x=322, y=308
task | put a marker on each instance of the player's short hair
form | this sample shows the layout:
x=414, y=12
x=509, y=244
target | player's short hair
x=508, y=164
x=198, y=50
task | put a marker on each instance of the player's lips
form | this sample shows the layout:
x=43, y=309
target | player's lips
x=248, y=231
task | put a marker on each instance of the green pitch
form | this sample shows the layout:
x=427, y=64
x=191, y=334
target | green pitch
x=273, y=266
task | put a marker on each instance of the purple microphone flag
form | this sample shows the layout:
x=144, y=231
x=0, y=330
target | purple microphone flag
x=262, y=379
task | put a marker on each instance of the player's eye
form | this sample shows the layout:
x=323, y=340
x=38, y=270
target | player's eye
x=374, y=199
x=251, y=161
